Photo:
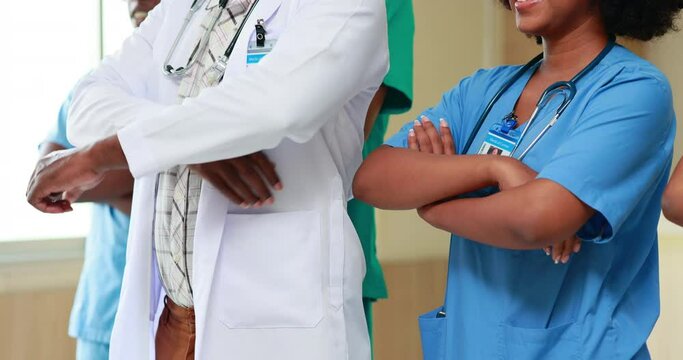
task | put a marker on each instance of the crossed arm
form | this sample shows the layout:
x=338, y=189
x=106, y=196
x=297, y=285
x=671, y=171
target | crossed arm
x=672, y=202
x=527, y=213
x=115, y=189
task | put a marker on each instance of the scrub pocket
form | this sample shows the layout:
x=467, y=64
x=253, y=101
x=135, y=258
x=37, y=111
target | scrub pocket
x=557, y=343
x=269, y=273
x=433, y=334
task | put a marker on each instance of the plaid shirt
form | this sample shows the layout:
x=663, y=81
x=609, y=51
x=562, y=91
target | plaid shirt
x=178, y=189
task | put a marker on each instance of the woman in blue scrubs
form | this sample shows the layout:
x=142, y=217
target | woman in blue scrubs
x=590, y=186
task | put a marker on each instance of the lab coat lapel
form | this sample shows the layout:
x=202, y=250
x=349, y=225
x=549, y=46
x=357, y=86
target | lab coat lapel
x=213, y=207
x=265, y=9
x=133, y=331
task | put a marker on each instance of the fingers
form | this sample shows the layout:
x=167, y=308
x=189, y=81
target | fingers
x=222, y=185
x=433, y=135
x=253, y=180
x=235, y=183
x=567, y=250
x=563, y=251
x=557, y=251
x=267, y=169
x=423, y=141
x=447, y=138
x=577, y=245
x=412, y=140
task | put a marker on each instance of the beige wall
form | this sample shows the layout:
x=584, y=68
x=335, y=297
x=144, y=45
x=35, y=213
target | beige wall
x=448, y=46
x=667, y=54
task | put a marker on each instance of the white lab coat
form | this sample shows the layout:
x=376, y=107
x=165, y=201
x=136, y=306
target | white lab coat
x=281, y=282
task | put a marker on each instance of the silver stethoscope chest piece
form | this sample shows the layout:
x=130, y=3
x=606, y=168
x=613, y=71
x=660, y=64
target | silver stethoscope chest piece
x=168, y=69
x=218, y=69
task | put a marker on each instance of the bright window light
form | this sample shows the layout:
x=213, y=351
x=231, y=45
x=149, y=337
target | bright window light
x=44, y=55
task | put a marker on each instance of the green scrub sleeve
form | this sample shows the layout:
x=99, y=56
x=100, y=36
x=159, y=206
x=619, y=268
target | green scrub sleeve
x=399, y=80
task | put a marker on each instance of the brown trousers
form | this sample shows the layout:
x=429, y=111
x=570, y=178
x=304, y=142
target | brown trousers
x=176, y=333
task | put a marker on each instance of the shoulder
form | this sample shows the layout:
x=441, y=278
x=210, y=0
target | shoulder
x=630, y=91
x=630, y=73
x=483, y=82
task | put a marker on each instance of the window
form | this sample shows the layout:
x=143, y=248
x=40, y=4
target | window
x=44, y=54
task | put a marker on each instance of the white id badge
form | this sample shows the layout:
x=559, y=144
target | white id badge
x=255, y=53
x=499, y=143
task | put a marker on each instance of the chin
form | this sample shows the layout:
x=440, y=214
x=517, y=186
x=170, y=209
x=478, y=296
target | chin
x=530, y=27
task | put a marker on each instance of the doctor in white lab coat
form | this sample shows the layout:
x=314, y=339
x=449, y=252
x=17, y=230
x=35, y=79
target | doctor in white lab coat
x=279, y=282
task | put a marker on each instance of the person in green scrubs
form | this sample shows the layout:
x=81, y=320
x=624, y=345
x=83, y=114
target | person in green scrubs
x=395, y=96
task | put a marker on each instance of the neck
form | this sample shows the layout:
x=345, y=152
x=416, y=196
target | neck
x=566, y=54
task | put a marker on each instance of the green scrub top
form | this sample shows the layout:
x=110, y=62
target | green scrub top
x=399, y=81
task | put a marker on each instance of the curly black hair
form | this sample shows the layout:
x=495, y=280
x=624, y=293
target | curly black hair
x=637, y=19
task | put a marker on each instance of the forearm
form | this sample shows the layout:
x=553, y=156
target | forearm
x=117, y=185
x=123, y=204
x=374, y=110
x=672, y=201
x=392, y=178
x=532, y=216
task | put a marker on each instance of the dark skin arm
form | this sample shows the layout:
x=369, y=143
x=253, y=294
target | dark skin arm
x=374, y=110
x=538, y=214
x=672, y=202
x=74, y=172
x=510, y=175
x=116, y=189
x=394, y=179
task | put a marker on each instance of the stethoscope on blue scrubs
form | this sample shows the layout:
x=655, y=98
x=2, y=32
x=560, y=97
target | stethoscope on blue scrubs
x=565, y=88
x=221, y=63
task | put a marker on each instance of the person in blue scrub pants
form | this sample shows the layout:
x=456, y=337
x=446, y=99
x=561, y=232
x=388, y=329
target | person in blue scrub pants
x=97, y=295
x=588, y=192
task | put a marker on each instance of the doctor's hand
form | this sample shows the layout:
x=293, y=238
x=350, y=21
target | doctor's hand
x=60, y=178
x=424, y=137
x=245, y=180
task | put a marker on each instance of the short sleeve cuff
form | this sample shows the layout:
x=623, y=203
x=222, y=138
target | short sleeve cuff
x=599, y=228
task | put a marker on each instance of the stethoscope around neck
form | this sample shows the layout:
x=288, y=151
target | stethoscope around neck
x=221, y=63
x=567, y=89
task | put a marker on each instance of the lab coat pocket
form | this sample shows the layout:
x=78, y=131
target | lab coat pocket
x=433, y=335
x=270, y=275
x=560, y=342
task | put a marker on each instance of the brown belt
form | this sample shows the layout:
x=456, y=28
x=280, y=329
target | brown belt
x=175, y=336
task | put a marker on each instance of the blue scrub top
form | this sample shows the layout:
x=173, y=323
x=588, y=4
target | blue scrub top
x=611, y=148
x=97, y=296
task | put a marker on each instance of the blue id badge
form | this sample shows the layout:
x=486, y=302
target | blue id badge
x=499, y=141
x=256, y=53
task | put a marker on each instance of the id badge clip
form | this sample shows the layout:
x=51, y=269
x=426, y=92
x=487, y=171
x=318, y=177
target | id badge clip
x=258, y=49
x=502, y=138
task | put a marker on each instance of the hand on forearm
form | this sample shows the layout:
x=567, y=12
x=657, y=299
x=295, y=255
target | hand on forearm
x=62, y=177
x=426, y=172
